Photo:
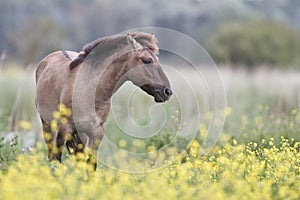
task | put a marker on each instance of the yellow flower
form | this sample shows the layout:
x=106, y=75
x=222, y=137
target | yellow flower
x=71, y=150
x=194, y=144
x=202, y=130
x=294, y=111
x=122, y=143
x=218, y=122
x=26, y=125
x=64, y=110
x=151, y=148
x=69, y=137
x=197, y=163
x=64, y=120
x=80, y=146
x=228, y=111
x=152, y=155
x=234, y=142
x=56, y=115
x=47, y=136
x=53, y=125
x=171, y=151
x=136, y=143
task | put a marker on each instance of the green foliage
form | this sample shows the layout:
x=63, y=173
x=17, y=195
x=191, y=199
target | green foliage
x=167, y=138
x=17, y=98
x=8, y=151
x=30, y=29
x=262, y=124
x=255, y=43
x=45, y=38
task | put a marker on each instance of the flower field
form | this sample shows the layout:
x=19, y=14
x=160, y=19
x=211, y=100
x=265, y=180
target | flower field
x=234, y=171
x=256, y=157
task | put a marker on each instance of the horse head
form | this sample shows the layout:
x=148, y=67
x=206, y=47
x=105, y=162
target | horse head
x=144, y=69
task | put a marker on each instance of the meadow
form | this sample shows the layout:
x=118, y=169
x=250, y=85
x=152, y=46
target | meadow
x=256, y=157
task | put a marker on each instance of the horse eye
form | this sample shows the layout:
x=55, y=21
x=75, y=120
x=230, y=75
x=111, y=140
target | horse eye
x=147, y=60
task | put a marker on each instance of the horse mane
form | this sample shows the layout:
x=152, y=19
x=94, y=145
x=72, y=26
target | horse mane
x=113, y=42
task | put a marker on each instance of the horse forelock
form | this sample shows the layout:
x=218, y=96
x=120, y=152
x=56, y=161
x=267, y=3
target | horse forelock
x=145, y=39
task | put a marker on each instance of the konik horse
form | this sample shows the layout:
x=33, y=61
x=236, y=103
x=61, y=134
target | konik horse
x=56, y=82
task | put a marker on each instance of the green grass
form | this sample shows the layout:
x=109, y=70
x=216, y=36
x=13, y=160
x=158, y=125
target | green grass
x=17, y=98
x=263, y=94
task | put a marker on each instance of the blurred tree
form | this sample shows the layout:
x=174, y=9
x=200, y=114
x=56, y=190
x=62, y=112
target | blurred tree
x=255, y=43
x=41, y=36
x=76, y=22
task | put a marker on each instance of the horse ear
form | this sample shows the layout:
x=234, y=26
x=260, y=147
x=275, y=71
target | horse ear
x=129, y=38
x=136, y=46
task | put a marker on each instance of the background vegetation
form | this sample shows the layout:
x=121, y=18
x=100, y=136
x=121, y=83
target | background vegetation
x=30, y=29
x=256, y=43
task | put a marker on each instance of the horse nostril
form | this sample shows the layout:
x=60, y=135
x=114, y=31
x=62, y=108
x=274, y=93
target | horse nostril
x=167, y=92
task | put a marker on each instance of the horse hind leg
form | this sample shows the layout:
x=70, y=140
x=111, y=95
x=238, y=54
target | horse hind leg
x=62, y=134
x=49, y=139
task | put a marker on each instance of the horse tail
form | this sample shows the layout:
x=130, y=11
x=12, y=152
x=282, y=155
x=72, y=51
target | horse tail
x=77, y=61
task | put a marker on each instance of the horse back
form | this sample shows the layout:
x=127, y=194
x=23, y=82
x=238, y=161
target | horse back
x=57, y=58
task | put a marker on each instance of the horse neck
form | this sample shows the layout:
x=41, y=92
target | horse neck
x=111, y=79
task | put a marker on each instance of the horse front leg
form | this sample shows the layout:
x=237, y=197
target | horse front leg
x=76, y=144
x=95, y=136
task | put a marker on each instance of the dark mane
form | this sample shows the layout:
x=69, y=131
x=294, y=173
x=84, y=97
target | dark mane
x=110, y=42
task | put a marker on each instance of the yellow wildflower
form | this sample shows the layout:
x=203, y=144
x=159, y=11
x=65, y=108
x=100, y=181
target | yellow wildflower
x=26, y=125
x=122, y=143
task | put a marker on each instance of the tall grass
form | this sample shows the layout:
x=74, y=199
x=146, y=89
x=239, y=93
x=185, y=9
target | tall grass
x=265, y=92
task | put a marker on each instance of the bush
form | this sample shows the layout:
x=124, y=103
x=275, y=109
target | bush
x=255, y=43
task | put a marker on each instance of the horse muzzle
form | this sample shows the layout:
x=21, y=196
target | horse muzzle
x=159, y=92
